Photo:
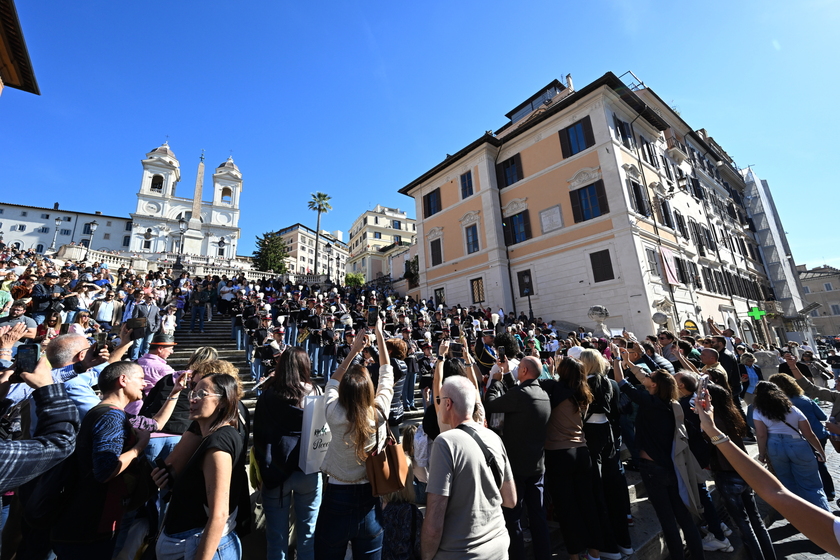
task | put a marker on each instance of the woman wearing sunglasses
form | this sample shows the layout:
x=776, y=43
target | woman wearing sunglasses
x=201, y=518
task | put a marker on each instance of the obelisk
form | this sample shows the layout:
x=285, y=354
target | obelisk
x=194, y=238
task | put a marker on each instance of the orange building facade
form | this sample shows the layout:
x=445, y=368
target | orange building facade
x=598, y=196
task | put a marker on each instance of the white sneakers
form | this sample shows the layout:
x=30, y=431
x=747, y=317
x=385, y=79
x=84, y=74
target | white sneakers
x=710, y=543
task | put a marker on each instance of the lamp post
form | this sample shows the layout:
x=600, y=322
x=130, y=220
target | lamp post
x=58, y=222
x=338, y=269
x=526, y=279
x=182, y=226
x=92, y=225
x=328, y=250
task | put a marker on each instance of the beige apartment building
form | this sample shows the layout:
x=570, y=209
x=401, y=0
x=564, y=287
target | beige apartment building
x=377, y=237
x=598, y=196
x=822, y=285
x=332, y=252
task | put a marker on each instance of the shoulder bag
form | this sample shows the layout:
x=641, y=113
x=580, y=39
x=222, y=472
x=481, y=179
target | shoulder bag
x=817, y=454
x=387, y=467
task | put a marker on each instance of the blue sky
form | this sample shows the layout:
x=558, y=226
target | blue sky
x=357, y=99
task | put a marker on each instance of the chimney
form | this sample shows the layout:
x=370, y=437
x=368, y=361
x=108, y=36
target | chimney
x=569, y=83
x=98, y=213
x=55, y=206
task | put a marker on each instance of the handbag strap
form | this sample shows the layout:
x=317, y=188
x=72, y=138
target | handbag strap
x=488, y=455
x=797, y=430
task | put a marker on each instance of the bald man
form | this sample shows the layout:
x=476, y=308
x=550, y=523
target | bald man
x=527, y=409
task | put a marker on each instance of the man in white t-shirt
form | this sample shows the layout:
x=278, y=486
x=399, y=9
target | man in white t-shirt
x=464, y=520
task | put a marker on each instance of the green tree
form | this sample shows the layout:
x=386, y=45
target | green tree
x=354, y=279
x=320, y=202
x=271, y=253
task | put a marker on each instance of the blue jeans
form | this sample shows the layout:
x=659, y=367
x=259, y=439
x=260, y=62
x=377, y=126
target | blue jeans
x=160, y=447
x=4, y=512
x=314, y=351
x=198, y=311
x=69, y=316
x=39, y=318
x=257, y=369
x=306, y=489
x=328, y=364
x=291, y=333
x=796, y=467
x=408, y=389
x=182, y=546
x=141, y=346
x=349, y=513
x=739, y=500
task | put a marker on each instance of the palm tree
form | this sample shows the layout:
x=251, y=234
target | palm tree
x=320, y=202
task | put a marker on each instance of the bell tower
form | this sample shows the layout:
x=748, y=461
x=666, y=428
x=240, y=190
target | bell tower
x=161, y=172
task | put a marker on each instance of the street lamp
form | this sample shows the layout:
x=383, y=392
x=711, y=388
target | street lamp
x=92, y=225
x=526, y=279
x=58, y=222
x=182, y=226
x=328, y=250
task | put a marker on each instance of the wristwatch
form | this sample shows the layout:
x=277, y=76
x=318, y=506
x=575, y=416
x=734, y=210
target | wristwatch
x=717, y=440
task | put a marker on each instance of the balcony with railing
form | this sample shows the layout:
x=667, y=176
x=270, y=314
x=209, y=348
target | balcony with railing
x=677, y=150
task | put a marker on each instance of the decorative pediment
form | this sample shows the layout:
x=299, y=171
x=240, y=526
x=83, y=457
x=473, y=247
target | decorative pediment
x=658, y=187
x=435, y=233
x=584, y=177
x=515, y=206
x=632, y=171
x=470, y=218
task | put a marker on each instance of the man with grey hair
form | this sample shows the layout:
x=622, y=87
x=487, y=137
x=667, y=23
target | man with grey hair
x=469, y=478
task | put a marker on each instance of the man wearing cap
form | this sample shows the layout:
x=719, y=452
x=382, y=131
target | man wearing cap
x=154, y=365
x=46, y=297
x=329, y=348
x=145, y=308
x=315, y=323
x=485, y=352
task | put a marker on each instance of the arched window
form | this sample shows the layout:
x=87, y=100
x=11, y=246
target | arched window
x=227, y=195
x=157, y=183
x=85, y=242
x=39, y=248
x=16, y=245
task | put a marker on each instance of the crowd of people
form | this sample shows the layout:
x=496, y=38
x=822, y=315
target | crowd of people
x=109, y=452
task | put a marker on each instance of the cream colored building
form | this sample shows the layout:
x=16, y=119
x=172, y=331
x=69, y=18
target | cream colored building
x=376, y=238
x=602, y=195
x=822, y=285
x=332, y=257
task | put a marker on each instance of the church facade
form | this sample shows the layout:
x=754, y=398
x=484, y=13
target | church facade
x=163, y=220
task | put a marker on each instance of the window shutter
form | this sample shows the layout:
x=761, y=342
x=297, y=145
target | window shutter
x=564, y=143
x=601, y=193
x=618, y=131
x=507, y=230
x=634, y=203
x=500, y=176
x=576, y=211
x=601, y=266
x=588, y=135
x=520, y=173
x=426, y=206
x=526, y=221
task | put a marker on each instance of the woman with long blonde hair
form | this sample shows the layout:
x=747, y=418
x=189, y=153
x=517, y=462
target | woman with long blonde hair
x=601, y=426
x=357, y=417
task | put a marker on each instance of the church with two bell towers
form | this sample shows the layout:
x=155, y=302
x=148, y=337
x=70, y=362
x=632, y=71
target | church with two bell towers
x=163, y=220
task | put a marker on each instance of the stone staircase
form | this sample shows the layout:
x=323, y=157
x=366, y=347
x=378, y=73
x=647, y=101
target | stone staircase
x=217, y=333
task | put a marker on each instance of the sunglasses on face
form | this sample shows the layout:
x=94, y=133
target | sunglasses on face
x=437, y=399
